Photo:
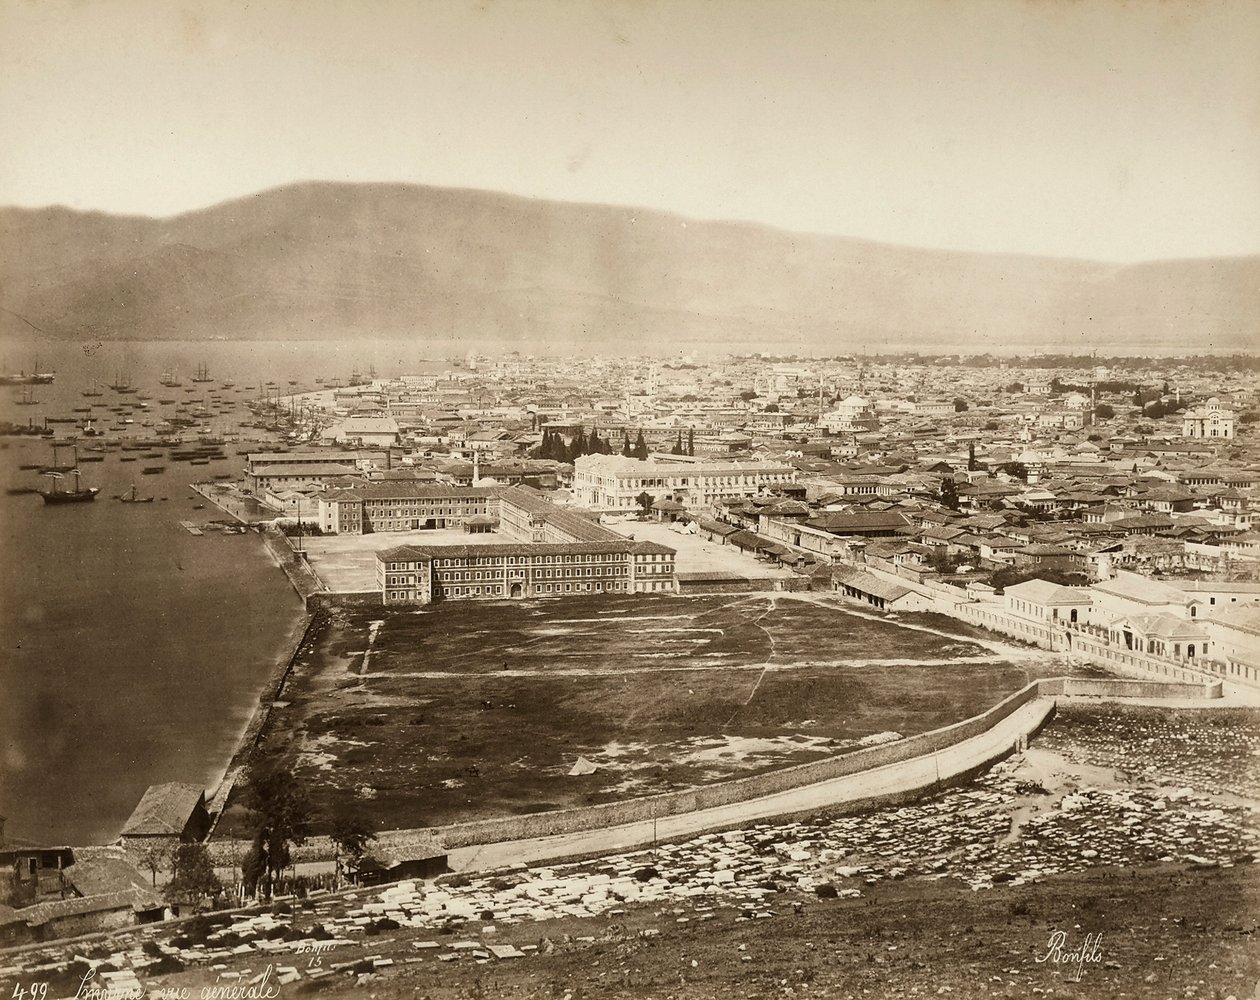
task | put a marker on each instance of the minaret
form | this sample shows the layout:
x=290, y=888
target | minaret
x=476, y=467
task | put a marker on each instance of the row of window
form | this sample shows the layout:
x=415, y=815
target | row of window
x=543, y=573
x=498, y=590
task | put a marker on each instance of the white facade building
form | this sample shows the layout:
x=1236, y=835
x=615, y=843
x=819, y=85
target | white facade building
x=1208, y=421
x=613, y=482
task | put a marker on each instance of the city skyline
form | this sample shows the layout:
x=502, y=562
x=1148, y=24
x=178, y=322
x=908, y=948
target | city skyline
x=1094, y=130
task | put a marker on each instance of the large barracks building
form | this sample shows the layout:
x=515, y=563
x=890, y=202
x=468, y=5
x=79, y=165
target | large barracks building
x=518, y=545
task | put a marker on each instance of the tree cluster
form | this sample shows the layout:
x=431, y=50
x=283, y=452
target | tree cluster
x=282, y=816
x=554, y=446
x=1008, y=576
x=685, y=449
x=1159, y=408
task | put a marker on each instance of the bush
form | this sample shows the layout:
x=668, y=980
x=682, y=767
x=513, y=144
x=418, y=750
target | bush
x=166, y=966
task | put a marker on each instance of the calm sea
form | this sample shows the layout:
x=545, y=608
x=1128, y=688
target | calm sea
x=134, y=652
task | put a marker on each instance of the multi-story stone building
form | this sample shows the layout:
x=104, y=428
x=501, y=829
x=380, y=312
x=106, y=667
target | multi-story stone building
x=293, y=469
x=546, y=552
x=614, y=482
x=403, y=506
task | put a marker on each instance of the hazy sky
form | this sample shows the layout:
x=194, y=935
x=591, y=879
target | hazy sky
x=1108, y=129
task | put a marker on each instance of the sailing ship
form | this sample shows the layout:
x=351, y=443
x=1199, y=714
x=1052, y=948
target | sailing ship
x=28, y=399
x=95, y=390
x=122, y=384
x=35, y=377
x=133, y=496
x=76, y=495
x=169, y=378
x=203, y=374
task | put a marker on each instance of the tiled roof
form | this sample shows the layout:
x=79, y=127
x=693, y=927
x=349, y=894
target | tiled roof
x=1046, y=592
x=163, y=810
x=134, y=899
x=422, y=553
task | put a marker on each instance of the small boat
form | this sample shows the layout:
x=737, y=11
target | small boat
x=152, y=470
x=134, y=496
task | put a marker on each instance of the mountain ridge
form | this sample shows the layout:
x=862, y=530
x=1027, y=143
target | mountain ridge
x=325, y=260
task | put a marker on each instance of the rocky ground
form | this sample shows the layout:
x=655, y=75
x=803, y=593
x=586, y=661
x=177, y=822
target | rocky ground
x=962, y=892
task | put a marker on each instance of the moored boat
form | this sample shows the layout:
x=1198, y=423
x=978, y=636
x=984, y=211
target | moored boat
x=79, y=494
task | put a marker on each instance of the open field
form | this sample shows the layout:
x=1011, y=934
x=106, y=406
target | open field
x=468, y=710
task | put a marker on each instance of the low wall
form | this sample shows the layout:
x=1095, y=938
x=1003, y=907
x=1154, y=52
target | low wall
x=301, y=577
x=1098, y=688
x=563, y=821
x=743, y=585
x=1126, y=659
x=349, y=599
x=997, y=620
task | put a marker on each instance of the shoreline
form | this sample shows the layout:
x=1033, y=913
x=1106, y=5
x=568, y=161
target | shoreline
x=277, y=675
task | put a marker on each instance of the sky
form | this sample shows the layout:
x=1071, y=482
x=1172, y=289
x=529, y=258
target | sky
x=1100, y=129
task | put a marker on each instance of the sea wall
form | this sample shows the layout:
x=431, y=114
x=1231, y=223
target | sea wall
x=326, y=600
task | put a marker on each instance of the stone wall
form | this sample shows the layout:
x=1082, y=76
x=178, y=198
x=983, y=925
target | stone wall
x=636, y=810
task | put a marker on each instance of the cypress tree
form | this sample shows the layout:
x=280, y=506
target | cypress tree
x=691, y=441
x=640, y=446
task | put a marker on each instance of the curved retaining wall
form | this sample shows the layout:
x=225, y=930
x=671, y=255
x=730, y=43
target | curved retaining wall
x=636, y=810
x=598, y=817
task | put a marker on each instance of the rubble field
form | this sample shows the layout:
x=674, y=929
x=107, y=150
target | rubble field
x=962, y=892
x=475, y=710
x=1207, y=748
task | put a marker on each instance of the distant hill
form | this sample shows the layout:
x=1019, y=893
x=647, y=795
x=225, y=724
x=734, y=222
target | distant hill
x=324, y=260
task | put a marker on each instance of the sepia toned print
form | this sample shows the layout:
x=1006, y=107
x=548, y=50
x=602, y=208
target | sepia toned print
x=629, y=500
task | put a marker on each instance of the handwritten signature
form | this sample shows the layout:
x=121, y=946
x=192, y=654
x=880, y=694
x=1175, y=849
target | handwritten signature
x=262, y=989
x=1089, y=952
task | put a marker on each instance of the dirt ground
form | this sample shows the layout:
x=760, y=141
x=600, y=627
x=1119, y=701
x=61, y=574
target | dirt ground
x=697, y=555
x=464, y=711
x=1145, y=933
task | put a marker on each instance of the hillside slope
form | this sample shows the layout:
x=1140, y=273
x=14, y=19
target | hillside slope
x=324, y=260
